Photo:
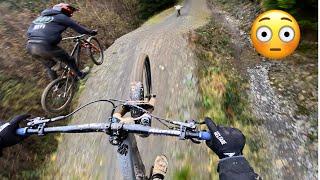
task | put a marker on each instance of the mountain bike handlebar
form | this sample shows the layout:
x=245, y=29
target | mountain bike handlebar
x=109, y=127
x=74, y=37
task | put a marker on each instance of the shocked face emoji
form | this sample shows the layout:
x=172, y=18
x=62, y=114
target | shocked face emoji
x=275, y=34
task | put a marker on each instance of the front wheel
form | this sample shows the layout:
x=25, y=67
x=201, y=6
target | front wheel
x=57, y=96
x=141, y=87
x=95, y=51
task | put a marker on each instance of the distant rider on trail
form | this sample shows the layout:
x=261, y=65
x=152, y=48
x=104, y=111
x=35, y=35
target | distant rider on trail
x=44, y=34
x=178, y=8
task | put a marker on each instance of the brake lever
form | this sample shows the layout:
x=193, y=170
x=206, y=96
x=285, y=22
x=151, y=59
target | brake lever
x=42, y=120
x=35, y=121
x=190, y=124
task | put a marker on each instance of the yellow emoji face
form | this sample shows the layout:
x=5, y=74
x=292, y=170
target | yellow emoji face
x=275, y=34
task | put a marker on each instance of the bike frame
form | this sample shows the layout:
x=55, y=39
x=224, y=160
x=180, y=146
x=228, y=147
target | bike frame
x=58, y=94
x=129, y=158
x=77, y=47
x=76, y=50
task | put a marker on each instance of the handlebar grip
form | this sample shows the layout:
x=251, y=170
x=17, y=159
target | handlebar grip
x=21, y=131
x=204, y=135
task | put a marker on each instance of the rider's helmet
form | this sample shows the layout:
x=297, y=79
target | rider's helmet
x=65, y=8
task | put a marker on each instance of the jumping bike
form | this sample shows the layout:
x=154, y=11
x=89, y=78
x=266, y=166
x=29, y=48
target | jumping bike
x=122, y=130
x=57, y=96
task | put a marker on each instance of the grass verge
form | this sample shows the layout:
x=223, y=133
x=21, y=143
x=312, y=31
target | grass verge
x=223, y=91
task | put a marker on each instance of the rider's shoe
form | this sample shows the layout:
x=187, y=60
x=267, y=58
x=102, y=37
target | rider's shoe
x=160, y=167
x=84, y=72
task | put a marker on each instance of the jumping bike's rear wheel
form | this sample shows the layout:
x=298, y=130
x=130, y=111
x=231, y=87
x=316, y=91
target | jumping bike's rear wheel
x=141, y=86
x=58, y=94
x=95, y=51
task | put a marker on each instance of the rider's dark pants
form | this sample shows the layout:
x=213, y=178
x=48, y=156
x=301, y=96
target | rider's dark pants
x=49, y=55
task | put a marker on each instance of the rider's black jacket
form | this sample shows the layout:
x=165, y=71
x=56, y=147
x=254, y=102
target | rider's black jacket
x=49, y=26
x=236, y=168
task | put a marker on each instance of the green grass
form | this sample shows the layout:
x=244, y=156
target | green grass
x=159, y=17
x=183, y=174
x=223, y=91
x=221, y=86
x=18, y=95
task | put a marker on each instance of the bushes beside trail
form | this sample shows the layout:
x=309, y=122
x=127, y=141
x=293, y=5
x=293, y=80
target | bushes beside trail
x=148, y=8
x=305, y=11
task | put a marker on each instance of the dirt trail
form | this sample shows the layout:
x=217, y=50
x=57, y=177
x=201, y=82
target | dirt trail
x=173, y=63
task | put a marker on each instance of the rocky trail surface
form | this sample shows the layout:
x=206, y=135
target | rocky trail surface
x=91, y=156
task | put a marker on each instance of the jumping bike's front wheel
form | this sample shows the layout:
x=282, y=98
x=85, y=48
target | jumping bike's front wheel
x=141, y=87
x=58, y=94
x=95, y=50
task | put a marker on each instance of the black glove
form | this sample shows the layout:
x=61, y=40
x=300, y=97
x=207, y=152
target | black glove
x=226, y=141
x=94, y=32
x=8, y=136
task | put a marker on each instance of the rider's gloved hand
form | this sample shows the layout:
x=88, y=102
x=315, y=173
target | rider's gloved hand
x=8, y=136
x=226, y=141
x=94, y=32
